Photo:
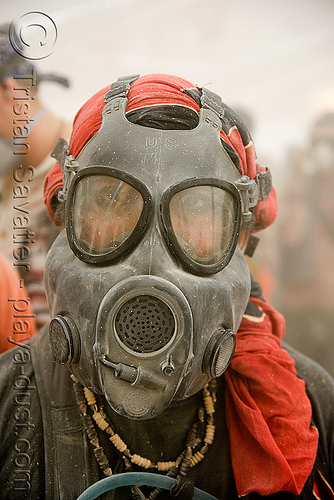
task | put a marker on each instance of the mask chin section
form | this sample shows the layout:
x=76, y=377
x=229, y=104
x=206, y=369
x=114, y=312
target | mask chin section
x=219, y=352
x=143, y=345
x=65, y=340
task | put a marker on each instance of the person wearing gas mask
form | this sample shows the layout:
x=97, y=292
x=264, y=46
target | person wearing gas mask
x=161, y=355
x=28, y=134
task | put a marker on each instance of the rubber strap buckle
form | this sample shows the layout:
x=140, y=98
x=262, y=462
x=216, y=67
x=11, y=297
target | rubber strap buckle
x=120, y=88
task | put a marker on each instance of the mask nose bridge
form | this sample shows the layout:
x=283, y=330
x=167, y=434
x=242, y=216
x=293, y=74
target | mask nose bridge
x=152, y=254
x=153, y=248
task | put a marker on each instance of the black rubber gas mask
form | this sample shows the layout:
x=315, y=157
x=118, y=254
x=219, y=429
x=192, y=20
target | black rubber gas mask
x=147, y=286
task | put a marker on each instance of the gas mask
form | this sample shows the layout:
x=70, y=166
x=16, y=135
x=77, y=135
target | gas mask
x=147, y=286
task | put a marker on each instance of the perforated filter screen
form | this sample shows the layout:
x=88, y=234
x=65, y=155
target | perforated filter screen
x=59, y=342
x=224, y=356
x=145, y=324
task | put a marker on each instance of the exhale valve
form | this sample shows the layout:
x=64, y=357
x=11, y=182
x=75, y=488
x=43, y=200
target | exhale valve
x=133, y=375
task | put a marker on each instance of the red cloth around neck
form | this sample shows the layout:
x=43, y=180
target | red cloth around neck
x=273, y=444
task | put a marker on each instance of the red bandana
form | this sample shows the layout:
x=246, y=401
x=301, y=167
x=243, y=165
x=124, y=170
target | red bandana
x=273, y=444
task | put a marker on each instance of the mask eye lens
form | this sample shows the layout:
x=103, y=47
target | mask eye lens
x=203, y=219
x=105, y=211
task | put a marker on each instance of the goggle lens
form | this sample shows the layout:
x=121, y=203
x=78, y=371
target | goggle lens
x=203, y=219
x=105, y=211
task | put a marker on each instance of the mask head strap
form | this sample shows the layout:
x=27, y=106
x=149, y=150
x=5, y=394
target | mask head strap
x=212, y=101
x=120, y=88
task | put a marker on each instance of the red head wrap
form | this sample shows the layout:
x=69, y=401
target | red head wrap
x=152, y=90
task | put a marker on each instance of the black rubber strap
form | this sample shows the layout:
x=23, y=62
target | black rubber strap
x=120, y=88
x=212, y=101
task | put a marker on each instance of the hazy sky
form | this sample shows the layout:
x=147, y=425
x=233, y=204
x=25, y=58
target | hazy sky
x=273, y=59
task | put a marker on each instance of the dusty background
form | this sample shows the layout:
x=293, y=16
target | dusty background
x=274, y=60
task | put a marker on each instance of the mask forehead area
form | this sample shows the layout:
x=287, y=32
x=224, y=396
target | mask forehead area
x=159, y=157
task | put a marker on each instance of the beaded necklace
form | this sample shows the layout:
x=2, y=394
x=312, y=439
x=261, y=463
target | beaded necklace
x=199, y=437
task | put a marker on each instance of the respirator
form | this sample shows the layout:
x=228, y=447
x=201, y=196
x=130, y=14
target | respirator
x=147, y=286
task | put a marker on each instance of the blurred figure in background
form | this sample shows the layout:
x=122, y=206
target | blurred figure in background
x=17, y=323
x=28, y=133
x=305, y=274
